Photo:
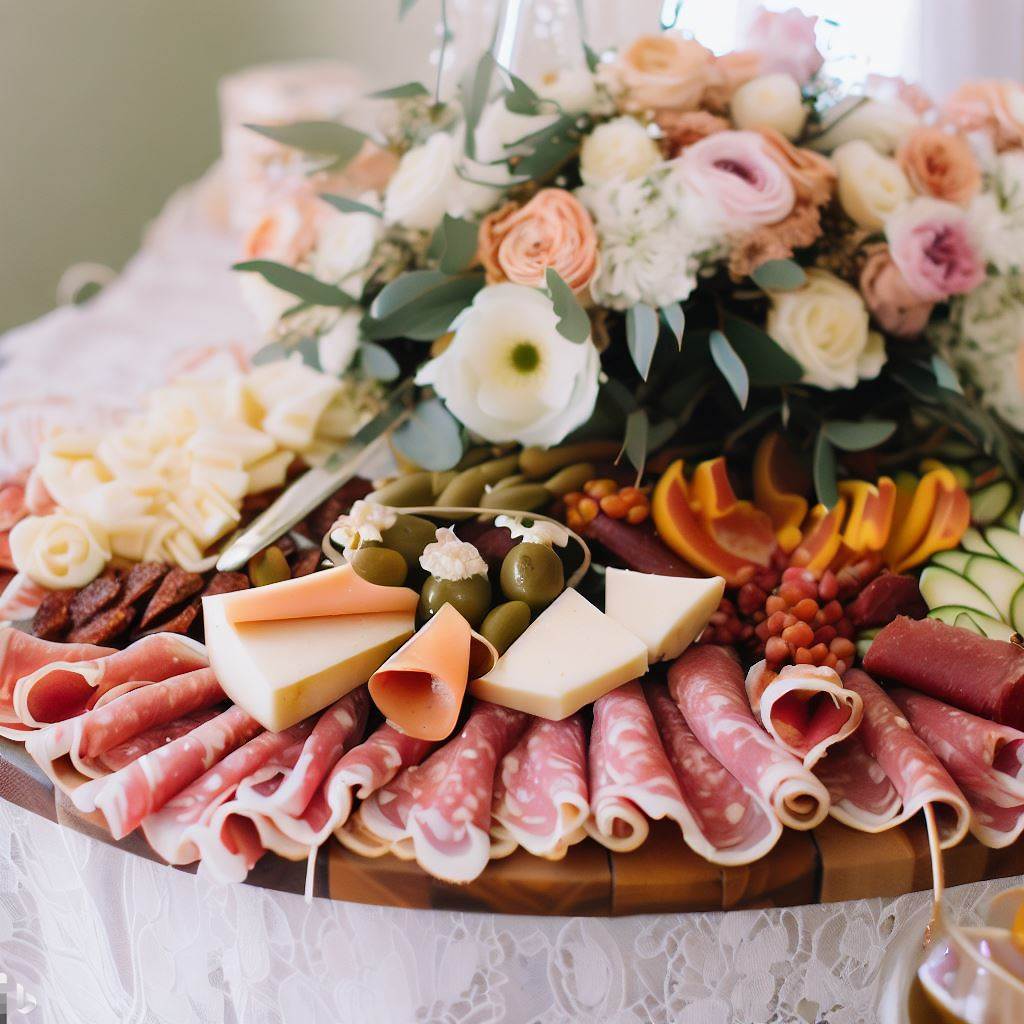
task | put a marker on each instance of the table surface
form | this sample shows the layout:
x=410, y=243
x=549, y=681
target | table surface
x=94, y=932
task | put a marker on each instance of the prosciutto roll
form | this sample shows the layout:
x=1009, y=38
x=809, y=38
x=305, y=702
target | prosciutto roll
x=986, y=760
x=440, y=811
x=707, y=684
x=67, y=685
x=886, y=773
x=805, y=708
x=22, y=596
x=985, y=677
x=139, y=789
x=730, y=824
x=540, y=792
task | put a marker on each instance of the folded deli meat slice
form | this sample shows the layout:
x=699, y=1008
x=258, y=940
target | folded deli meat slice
x=805, y=708
x=440, y=811
x=885, y=773
x=67, y=686
x=730, y=824
x=540, y=792
x=986, y=760
x=707, y=684
x=77, y=749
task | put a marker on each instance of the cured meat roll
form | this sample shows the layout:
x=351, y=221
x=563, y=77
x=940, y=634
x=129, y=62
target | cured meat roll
x=985, y=677
x=67, y=686
x=986, y=760
x=22, y=596
x=540, y=792
x=707, y=684
x=886, y=773
x=805, y=708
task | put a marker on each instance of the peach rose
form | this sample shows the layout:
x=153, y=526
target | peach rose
x=813, y=175
x=940, y=164
x=663, y=72
x=518, y=244
x=992, y=105
x=897, y=309
x=775, y=241
x=682, y=129
x=730, y=71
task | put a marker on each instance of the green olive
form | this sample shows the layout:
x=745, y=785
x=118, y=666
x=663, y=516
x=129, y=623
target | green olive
x=379, y=565
x=468, y=486
x=409, y=536
x=471, y=597
x=532, y=573
x=571, y=478
x=439, y=481
x=505, y=624
x=269, y=566
x=541, y=462
x=405, y=491
x=518, y=497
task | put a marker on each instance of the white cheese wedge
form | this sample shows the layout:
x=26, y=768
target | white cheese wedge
x=283, y=671
x=568, y=657
x=667, y=612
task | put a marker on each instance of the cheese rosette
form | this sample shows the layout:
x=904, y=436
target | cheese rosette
x=59, y=551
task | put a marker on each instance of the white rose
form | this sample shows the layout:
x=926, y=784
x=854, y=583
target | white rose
x=871, y=187
x=770, y=101
x=882, y=123
x=337, y=346
x=824, y=327
x=573, y=89
x=59, y=551
x=345, y=247
x=619, y=149
x=508, y=374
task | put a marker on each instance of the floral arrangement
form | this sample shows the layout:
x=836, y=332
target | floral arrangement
x=662, y=245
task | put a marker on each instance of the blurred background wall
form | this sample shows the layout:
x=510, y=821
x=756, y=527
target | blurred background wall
x=107, y=106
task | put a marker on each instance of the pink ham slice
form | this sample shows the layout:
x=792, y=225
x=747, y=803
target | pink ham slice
x=805, y=708
x=67, y=686
x=986, y=760
x=707, y=684
x=730, y=824
x=72, y=751
x=884, y=758
x=139, y=789
x=440, y=812
x=123, y=754
x=541, y=799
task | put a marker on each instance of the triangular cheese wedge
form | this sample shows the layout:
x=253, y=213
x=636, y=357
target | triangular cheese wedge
x=666, y=612
x=339, y=591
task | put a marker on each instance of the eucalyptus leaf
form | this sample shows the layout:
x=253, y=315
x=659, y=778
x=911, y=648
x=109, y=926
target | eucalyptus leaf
x=573, y=322
x=660, y=434
x=779, y=276
x=474, y=91
x=308, y=349
x=945, y=376
x=730, y=366
x=858, y=436
x=430, y=437
x=270, y=353
x=767, y=363
x=321, y=138
x=592, y=58
x=420, y=305
x=519, y=97
x=634, y=443
x=295, y=282
x=619, y=394
x=458, y=244
x=346, y=205
x=675, y=320
x=405, y=91
x=404, y=7
x=642, y=336
x=825, y=485
x=552, y=146
x=377, y=362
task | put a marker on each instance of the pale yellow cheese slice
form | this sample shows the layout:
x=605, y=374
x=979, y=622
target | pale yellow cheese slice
x=284, y=671
x=568, y=657
x=667, y=612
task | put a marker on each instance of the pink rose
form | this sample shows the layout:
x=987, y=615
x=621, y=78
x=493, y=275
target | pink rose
x=663, y=72
x=785, y=42
x=735, y=181
x=896, y=308
x=931, y=244
x=991, y=105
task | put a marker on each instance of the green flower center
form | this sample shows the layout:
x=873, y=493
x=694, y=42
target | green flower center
x=524, y=357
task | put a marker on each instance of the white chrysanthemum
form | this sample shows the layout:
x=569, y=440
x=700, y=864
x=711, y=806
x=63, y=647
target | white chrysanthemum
x=364, y=522
x=449, y=558
x=539, y=531
x=998, y=213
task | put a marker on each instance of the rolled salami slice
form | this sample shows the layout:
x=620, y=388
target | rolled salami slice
x=986, y=760
x=707, y=684
x=805, y=708
x=731, y=825
x=72, y=751
x=440, y=811
x=886, y=745
x=67, y=686
x=985, y=677
x=139, y=789
x=540, y=793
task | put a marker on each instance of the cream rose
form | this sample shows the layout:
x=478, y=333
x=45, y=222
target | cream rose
x=619, y=149
x=509, y=375
x=871, y=187
x=882, y=123
x=825, y=326
x=345, y=247
x=770, y=101
x=59, y=551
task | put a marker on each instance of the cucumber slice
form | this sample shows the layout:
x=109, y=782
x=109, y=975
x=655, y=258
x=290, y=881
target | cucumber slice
x=973, y=541
x=956, y=559
x=940, y=586
x=989, y=503
x=964, y=621
x=1007, y=544
x=1011, y=517
x=992, y=628
x=997, y=580
x=1017, y=611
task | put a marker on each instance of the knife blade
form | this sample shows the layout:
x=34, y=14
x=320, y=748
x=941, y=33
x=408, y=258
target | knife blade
x=316, y=485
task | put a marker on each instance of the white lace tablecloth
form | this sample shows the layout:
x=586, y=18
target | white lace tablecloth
x=94, y=934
